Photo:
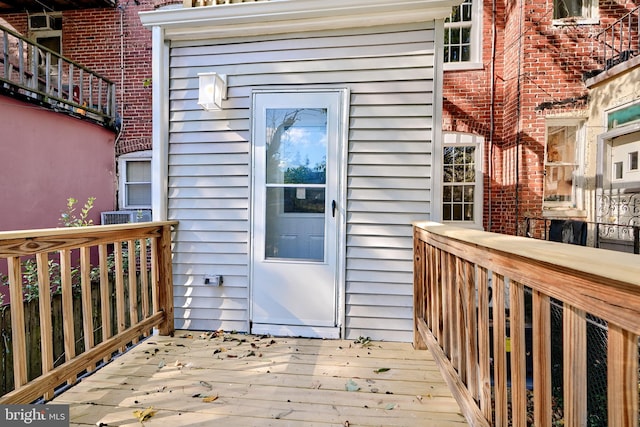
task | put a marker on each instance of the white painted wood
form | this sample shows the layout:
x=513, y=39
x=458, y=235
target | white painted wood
x=294, y=280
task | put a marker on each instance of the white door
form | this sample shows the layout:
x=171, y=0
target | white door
x=297, y=140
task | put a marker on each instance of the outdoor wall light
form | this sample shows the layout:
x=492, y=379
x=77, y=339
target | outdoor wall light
x=212, y=90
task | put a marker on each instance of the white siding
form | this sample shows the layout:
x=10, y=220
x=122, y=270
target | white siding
x=389, y=72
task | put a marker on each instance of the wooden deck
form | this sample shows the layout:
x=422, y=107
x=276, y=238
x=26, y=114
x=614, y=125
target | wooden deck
x=196, y=379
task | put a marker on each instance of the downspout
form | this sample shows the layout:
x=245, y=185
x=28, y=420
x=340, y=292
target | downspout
x=518, y=118
x=492, y=112
x=121, y=9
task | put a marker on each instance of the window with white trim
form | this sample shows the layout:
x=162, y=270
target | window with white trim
x=574, y=11
x=135, y=180
x=463, y=36
x=462, y=179
x=562, y=166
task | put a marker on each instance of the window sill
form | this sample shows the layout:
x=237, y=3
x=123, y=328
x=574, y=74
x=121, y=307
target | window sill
x=559, y=212
x=463, y=66
x=575, y=21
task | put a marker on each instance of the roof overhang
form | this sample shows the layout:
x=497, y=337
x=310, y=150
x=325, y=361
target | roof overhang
x=35, y=6
x=290, y=16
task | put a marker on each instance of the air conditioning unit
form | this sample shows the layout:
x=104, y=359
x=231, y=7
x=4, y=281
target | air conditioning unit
x=41, y=22
x=124, y=217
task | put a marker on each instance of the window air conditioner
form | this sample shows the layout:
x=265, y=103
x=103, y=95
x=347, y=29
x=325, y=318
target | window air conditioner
x=124, y=217
x=41, y=22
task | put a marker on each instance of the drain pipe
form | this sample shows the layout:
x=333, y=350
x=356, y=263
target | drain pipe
x=121, y=9
x=492, y=112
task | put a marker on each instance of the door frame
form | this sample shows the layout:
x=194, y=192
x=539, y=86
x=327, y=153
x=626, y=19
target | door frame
x=341, y=211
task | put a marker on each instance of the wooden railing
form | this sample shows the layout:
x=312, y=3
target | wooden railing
x=41, y=75
x=477, y=295
x=130, y=263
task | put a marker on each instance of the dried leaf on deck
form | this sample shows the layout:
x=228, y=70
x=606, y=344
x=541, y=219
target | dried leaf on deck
x=144, y=415
x=351, y=385
x=379, y=370
x=390, y=406
x=206, y=385
x=161, y=364
x=208, y=399
x=283, y=414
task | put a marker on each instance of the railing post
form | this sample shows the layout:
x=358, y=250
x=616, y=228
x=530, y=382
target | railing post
x=165, y=282
x=419, y=294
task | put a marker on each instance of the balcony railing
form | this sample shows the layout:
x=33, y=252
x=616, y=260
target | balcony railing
x=89, y=269
x=619, y=42
x=40, y=75
x=529, y=332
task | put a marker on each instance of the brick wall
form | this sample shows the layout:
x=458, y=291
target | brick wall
x=540, y=70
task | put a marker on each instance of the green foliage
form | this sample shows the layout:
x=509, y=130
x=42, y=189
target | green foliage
x=68, y=217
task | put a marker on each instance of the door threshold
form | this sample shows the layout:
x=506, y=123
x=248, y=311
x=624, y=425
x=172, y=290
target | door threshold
x=296, y=331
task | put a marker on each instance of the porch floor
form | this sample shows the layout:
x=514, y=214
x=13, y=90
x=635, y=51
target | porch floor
x=201, y=379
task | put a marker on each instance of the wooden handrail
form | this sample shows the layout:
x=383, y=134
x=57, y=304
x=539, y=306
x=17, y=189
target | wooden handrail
x=454, y=319
x=76, y=248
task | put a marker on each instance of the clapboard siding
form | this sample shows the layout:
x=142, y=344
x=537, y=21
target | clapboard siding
x=389, y=72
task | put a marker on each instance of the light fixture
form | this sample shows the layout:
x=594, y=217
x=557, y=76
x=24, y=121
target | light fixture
x=212, y=90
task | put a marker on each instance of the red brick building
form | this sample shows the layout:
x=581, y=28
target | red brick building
x=516, y=77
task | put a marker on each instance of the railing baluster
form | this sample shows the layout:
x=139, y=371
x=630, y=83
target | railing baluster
x=622, y=377
x=446, y=304
x=119, y=272
x=542, y=408
x=67, y=308
x=574, y=333
x=17, y=322
x=471, y=326
x=87, y=306
x=455, y=279
x=133, y=283
x=144, y=277
x=105, y=295
x=44, y=297
x=518, y=354
x=484, y=349
x=499, y=351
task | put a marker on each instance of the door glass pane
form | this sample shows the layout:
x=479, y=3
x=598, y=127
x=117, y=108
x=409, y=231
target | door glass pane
x=296, y=163
x=296, y=145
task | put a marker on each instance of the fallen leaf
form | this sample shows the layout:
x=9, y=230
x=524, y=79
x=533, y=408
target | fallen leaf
x=206, y=385
x=390, y=406
x=144, y=415
x=208, y=399
x=380, y=370
x=351, y=385
x=283, y=414
x=219, y=350
x=161, y=364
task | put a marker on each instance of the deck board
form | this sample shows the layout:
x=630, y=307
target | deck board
x=264, y=381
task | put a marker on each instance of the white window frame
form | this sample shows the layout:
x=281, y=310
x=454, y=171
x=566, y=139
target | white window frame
x=577, y=181
x=475, y=60
x=460, y=139
x=122, y=178
x=589, y=14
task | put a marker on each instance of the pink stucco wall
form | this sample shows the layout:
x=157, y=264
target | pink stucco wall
x=47, y=157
